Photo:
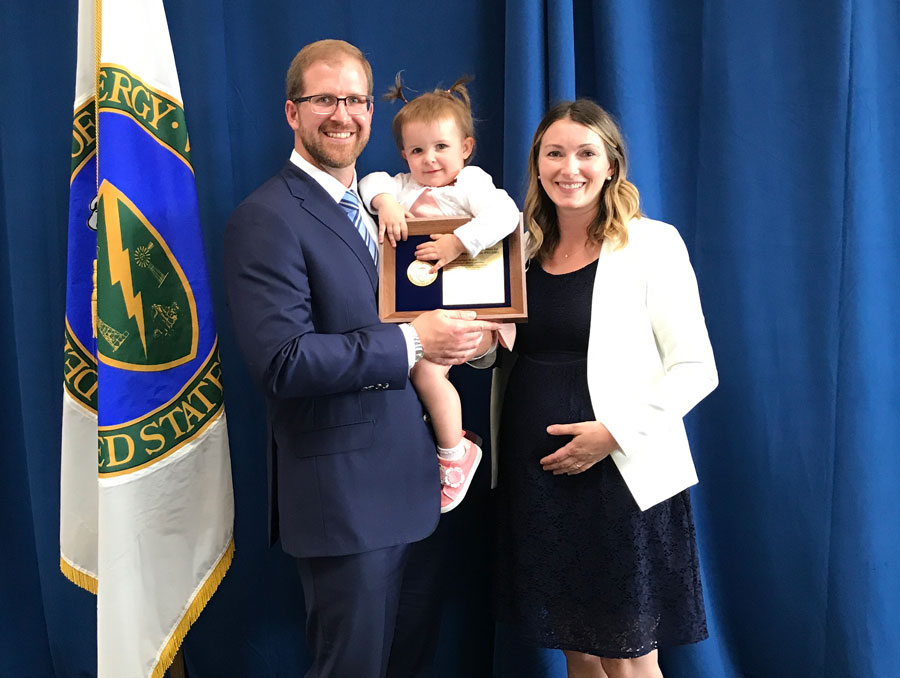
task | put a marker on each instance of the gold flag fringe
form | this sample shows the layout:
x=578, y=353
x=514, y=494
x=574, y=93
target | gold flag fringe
x=78, y=577
x=201, y=598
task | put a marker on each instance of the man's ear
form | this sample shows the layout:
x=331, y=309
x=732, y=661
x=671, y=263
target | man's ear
x=292, y=114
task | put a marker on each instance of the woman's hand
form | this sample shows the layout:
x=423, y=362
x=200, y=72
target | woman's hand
x=443, y=248
x=592, y=442
x=488, y=340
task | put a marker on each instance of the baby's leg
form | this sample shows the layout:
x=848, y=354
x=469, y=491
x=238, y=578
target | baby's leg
x=458, y=457
x=441, y=400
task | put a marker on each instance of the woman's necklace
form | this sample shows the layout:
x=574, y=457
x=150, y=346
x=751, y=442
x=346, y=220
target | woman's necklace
x=586, y=248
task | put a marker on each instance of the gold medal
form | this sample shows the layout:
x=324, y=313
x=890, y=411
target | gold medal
x=419, y=275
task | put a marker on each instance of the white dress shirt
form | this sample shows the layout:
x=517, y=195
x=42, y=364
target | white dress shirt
x=336, y=190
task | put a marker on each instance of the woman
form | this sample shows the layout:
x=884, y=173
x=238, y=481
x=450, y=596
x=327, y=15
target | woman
x=597, y=555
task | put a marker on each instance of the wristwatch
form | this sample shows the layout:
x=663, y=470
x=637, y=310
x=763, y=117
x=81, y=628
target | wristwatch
x=418, y=349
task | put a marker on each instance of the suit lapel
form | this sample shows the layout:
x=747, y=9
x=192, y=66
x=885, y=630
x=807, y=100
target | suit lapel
x=315, y=200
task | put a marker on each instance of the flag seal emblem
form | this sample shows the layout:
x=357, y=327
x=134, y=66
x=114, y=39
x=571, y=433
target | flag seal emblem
x=146, y=312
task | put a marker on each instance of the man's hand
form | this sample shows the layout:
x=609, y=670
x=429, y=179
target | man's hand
x=451, y=337
x=443, y=249
x=391, y=218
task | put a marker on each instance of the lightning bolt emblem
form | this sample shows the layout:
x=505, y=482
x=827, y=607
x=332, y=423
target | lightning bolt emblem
x=119, y=265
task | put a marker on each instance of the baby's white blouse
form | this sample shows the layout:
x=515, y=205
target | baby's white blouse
x=494, y=214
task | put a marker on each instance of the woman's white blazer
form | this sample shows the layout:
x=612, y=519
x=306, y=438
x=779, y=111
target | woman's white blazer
x=649, y=360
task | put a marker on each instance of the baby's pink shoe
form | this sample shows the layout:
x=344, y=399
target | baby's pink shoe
x=456, y=475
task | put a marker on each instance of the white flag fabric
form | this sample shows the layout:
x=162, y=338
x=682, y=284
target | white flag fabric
x=147, y=506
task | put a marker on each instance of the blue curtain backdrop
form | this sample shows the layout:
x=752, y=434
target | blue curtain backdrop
x=766, y=131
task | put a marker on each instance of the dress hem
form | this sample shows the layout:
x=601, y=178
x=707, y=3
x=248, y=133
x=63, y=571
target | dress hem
x=571, y=647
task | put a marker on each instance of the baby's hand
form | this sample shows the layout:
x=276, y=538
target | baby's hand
x=443, y=249
x=391, y=218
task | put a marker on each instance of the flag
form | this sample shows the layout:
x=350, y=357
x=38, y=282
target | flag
x=147, y=506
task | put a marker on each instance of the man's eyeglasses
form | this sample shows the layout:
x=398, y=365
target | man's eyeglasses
x=326, y=104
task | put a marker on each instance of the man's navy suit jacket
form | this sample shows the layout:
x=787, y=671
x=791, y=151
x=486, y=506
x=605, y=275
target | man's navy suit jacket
x=352, y=465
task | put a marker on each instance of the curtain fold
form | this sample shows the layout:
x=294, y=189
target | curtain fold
x=21, y=608
x=48, y=624
x=864, y=537
x=765, y=132
x=540, y=71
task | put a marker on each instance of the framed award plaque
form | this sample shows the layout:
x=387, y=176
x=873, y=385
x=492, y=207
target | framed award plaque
x=491, y=284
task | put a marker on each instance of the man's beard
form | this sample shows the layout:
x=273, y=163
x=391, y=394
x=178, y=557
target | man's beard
x=337, y=158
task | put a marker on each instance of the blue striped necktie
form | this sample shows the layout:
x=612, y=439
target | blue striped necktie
x=350, y=203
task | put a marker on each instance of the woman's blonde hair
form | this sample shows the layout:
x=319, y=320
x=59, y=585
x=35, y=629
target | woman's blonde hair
x=619, y=200
x=453, y=103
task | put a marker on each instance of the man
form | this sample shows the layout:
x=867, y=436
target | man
x=354, y=486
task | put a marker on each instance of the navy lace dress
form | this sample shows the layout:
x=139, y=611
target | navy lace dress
x=579, y=566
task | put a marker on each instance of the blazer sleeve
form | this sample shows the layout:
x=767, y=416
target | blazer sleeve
x=271, y=303
x=682, y=341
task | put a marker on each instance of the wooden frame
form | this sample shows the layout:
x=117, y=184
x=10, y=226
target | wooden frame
x=515, y=310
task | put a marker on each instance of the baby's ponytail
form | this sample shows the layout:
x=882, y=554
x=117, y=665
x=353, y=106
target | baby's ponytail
x=396, y=92
x=438, y=104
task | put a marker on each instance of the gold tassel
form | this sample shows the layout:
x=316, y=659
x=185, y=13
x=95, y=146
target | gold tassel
x=77, y=577
x=202, y=597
